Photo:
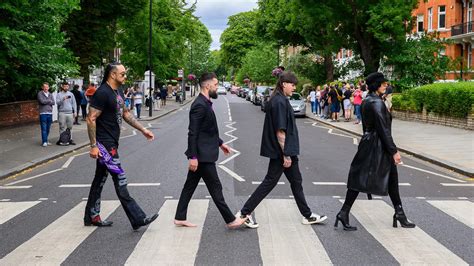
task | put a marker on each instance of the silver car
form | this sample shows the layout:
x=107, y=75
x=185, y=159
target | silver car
x=298, y=104
x=221, y=90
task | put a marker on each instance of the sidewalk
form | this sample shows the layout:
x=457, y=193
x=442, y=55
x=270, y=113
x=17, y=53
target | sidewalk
x=20, y=147
x=448, y=147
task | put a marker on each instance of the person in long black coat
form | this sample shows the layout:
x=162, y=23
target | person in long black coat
x=374, y=167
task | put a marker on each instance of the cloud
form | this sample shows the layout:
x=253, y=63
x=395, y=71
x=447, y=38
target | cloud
x=214, y=14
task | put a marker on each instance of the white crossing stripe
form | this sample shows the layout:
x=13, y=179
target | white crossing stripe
x=129, y=184
x=407, y=246
x=404, y=184
x=9, y=210
x=164, y=243
x=232, y=173
x=260, y=182
x=457, y=185
x=55, y=243
x=329, y=183
x=283, y=239
x=461, y=210
x=14, y=187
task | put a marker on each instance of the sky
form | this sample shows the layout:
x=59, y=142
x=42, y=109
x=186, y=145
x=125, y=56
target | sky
x=214, y=14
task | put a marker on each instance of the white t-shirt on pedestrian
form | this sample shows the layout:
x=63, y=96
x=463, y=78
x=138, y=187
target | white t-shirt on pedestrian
x=318, y=95
x=138, y=98
x=312, y=96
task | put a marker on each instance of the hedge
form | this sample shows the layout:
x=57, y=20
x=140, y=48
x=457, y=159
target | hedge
x=450, y=99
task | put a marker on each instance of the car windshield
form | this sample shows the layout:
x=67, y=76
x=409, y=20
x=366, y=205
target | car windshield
x=295, y=97
x=261, y=89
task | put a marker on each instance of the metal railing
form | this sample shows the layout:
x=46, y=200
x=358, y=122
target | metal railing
x=462, y=28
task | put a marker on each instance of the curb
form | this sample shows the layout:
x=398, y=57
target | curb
x=38, y=162
x=426, y=157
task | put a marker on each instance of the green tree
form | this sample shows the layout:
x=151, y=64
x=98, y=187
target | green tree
x=238, y=38
x=258, y=64
x=198, y=54
x=32, y=46
x=308, y=66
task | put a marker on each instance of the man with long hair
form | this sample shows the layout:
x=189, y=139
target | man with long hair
x=280, y=143
x=106, y=112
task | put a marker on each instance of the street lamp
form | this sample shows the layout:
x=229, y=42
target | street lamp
x=150, y=109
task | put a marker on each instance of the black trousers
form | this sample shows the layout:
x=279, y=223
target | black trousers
x=275, y=170
x=393, y=190
x=134, y=213
x=208, y=172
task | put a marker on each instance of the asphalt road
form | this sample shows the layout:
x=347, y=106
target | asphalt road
x=41, y=211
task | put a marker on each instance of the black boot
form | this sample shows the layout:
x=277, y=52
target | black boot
x=343, y=217
x=402, y=218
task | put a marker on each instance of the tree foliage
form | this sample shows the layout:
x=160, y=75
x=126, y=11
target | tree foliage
x=258, y=64
x=32, y=46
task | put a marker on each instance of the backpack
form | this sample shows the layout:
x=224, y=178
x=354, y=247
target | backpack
x=65, y=137
x=339, y=98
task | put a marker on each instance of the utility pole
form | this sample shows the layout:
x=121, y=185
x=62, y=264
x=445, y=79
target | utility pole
x=150, y=109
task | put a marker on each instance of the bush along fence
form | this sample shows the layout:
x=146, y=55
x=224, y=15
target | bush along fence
x=449, y=104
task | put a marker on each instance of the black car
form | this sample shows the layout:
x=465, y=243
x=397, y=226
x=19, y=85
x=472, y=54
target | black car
x=259, y=90
x=265, y=98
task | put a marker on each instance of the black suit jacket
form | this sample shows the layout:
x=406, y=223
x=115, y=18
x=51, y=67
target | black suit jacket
x=203, y=134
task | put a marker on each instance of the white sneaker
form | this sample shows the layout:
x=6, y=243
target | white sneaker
x=249, y=222
x=44, y=144
x=314, y=219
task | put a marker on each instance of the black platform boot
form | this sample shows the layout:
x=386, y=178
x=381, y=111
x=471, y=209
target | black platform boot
x=343, y=217
x=402, y=218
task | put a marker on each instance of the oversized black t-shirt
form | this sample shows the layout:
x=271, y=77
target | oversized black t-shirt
x=111, y=103
x=279, y=116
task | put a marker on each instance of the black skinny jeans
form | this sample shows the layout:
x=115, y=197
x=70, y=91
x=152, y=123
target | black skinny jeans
x=393, y=190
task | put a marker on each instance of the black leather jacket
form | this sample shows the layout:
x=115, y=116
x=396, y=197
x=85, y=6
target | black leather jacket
x=376, y=117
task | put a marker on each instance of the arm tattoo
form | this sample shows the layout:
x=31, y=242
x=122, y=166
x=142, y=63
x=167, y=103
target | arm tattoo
x=91, y=126
x=281, y=135
x=128, y=117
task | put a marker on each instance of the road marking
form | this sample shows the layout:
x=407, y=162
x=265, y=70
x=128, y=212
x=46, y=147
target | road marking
x=231, y=173
x=9, y=210
x=134, y=133
x=237, y=153
x=33, y=177
x=68, y=162
x=260, y=182
x=228, y=109
x=208, y=197
x=129, y=184
x=421, y=197
x=456, y=185
x=407, y=246
x=355, y=141
x=55, y=243
x=4, y=200
x=462, y=211
x=329, y=183
x=166, y=244
x=14, y=187
x=168, y=197
x=462, y=198
x=336, y=197
x=433, y=173
x=201, y=184
x=376, y=197
x=85, y=198
x=43, y=199
x=283, y=239
x=404, y=184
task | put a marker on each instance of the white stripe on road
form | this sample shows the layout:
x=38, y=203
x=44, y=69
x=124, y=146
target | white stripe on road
x=9, y=210
x=407, y=246
x=329, y=183
x=231, y=157
x=283, y=239
x=165, y=244
x=462, y=211
x=129, y=184
x=433, y=173
x=404, y=184
x=231, y=173
x=260, y=182
x=14, y=187
x=33, y=177
x=55, y=243
x=68, y=162
x=457, y=185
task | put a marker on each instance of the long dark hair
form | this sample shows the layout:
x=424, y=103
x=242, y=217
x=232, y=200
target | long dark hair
x=285, y=76
x=108, y=69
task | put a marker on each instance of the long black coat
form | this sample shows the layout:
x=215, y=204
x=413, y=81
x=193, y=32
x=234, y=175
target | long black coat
x=370, y=168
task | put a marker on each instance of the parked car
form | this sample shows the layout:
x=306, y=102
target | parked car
x=265, y=98
x=298, y=103
x=221, y=90
x=259, y=94
x=250, y=96
x=234, y=90
x=245, y=93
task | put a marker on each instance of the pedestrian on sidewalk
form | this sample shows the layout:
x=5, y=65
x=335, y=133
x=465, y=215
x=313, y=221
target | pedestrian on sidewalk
x=318, y=100
x=325, y=102
x=347, y=103
x=335, y=95
x=163, y=95
x=138, y=100
x=202, y=154
x=128, y=97
x=387, y=97
x=312, y=99
x=67, y=111
x=78, y=98
x=107, y=109
x=45, y=103
x=84, y=103
x=374, y=167
x=357, y=103
x=280, y=143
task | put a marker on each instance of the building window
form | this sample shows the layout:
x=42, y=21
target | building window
x=430, y=19
x=419, y=23
x=441, y=17
x=469, y=56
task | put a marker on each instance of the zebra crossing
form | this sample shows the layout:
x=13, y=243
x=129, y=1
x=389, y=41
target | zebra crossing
x=282, y=239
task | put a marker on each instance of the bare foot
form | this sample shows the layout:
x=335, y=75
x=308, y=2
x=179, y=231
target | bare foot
x=236, y=223
x=184, y=223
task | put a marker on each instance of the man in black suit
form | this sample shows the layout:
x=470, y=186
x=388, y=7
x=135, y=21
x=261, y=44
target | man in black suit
x=202, y=153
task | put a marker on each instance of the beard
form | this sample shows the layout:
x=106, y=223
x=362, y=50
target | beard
x=213, y=94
